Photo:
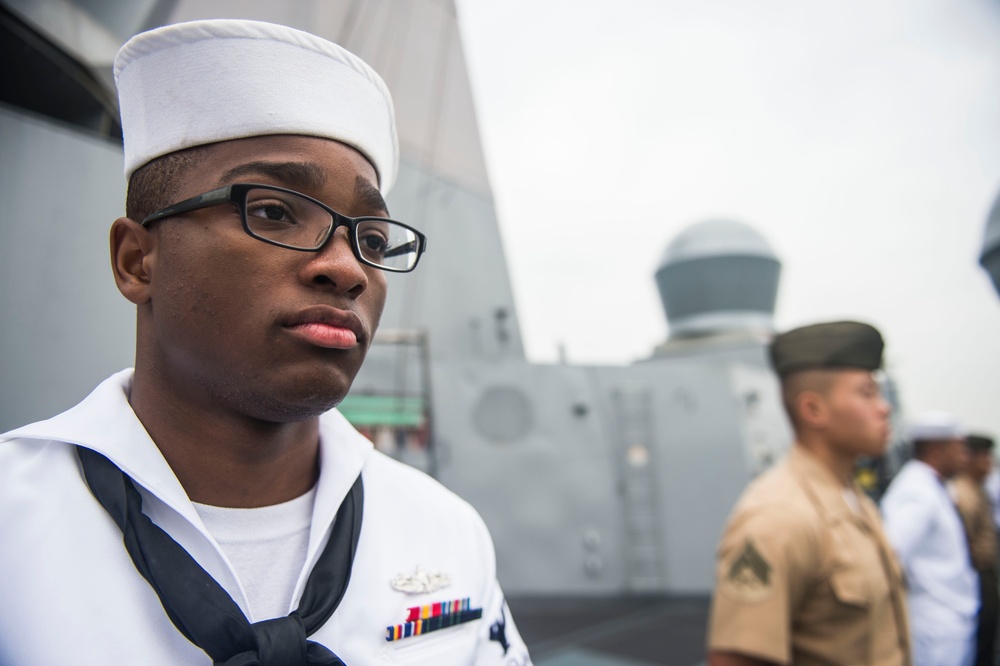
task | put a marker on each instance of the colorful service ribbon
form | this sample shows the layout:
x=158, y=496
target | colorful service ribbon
x=425, y=619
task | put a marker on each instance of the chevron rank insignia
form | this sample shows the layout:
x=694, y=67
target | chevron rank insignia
x=425, y=619
x=749, y=575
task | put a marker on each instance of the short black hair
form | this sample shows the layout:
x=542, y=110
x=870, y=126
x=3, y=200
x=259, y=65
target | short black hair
x=979, y=443
x=154, y=185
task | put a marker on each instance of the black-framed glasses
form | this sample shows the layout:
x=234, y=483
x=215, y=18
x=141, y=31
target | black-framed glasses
x=290, y=219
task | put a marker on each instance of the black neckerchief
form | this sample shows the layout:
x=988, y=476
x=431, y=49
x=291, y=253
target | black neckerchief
x=200, y=608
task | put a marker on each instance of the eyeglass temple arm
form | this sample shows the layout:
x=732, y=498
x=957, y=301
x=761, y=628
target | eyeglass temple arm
x=213, y=198
x=405, y=248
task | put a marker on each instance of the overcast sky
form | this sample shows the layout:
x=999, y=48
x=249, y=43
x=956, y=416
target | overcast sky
x=862, y=139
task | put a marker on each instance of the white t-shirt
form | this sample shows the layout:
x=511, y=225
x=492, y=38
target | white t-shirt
x=267, y=547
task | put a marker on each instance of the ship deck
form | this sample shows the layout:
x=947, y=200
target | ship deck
x=622, y=631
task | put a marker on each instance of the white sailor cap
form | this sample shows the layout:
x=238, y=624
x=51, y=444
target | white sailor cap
x=934, y=426
x=195, y=83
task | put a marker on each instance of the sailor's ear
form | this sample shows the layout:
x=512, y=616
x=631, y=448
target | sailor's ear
x=132, y=259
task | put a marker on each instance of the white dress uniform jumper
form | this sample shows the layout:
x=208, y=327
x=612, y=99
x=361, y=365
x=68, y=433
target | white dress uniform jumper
x=71, y=593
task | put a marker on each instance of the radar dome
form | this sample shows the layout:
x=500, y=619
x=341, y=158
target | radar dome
x=990, y=258
x=718, y=276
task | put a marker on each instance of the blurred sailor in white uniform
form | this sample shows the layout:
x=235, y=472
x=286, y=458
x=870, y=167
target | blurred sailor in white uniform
x=924, y=527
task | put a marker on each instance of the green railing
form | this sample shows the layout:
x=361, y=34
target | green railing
x=374, y=410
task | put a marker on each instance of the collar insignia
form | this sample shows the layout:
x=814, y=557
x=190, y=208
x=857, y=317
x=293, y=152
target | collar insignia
x=421, y=582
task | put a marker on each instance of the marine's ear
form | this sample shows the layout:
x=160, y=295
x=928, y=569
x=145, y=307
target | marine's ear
x=812, y=409
x=132, y=258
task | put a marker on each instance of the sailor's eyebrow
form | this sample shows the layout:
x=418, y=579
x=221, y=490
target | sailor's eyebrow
x=306, y=176
x=368, y=195
x=295, y=175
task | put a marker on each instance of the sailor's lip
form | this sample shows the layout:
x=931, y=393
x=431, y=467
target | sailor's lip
x=327, y=326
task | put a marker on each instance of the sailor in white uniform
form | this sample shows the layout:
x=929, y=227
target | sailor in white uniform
x=209, y=507
x=924, y=527
x=991, y=486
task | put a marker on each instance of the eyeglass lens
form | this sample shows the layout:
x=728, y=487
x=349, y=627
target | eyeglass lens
x=291, y=220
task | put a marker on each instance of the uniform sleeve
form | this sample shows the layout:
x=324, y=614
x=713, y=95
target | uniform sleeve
x=967, y=504
x=992, y=489
x=500, y=643
x=974, y=509
x=906, y=516
x=767, y=559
